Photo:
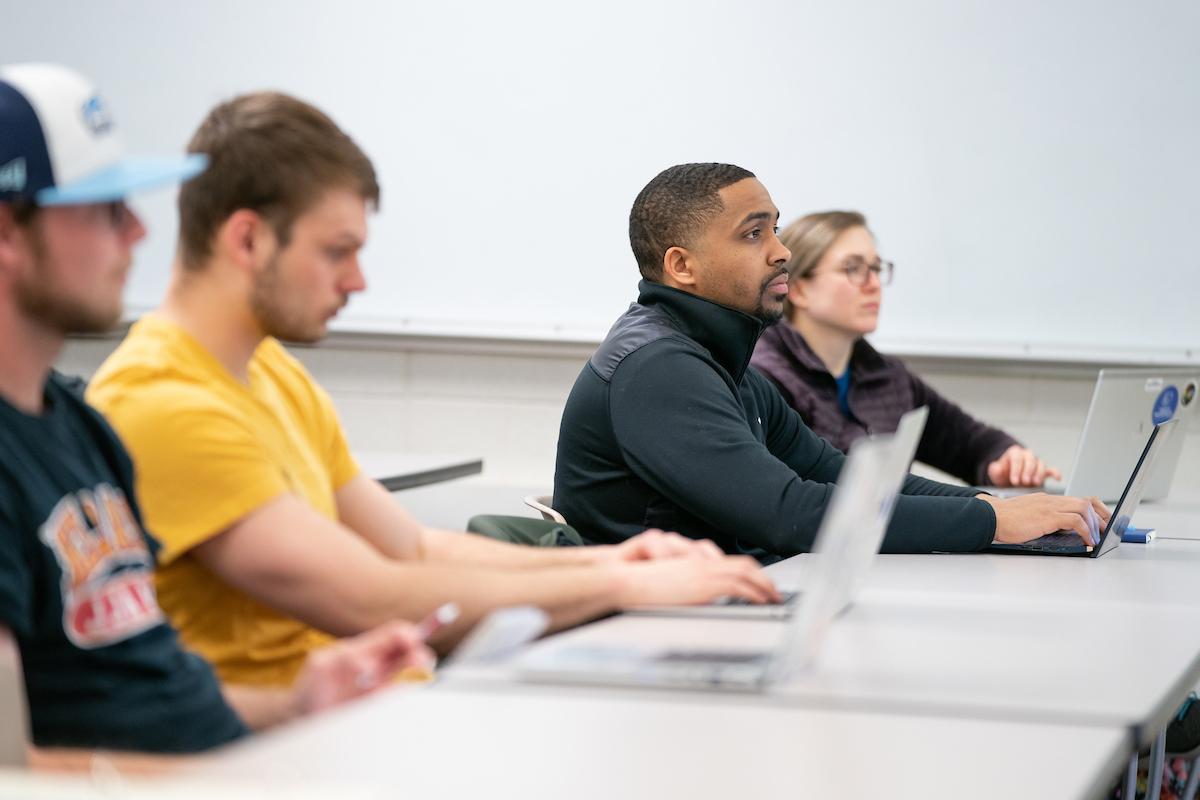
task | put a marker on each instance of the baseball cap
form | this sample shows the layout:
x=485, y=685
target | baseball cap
x=59, y=144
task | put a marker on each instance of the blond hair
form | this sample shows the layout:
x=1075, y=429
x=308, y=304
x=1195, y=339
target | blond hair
x=810, y=237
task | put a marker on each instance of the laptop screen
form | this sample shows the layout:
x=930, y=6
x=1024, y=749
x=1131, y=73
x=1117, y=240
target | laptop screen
x=1132, y=496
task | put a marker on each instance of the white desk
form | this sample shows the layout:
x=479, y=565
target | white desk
x=1159, y=574
x=545, y=744
x=1174, y=519
x=398, y=471
x=975, y=659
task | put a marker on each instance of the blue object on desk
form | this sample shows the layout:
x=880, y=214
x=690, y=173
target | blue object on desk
x=1137, y=535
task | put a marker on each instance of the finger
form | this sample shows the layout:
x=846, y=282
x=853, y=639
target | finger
x=679, y=545
x=1014, y=470
x=1078, y=524
x=745, y=586
x=1053, y=472
x=393, y=643
x=707, y=548
x=755, y=575
x=1003, y=466
x=1104, y=511
x=1029, y=467
x=995, y=472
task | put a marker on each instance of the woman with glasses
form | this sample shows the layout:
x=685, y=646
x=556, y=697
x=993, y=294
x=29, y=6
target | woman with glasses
x=844, y=388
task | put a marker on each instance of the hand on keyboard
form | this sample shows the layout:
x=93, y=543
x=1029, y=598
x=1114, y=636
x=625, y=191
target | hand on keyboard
x=1022, y=519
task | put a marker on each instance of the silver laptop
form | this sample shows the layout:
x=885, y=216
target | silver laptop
x=904, y=448
x=1126, y=405
x=845, y=546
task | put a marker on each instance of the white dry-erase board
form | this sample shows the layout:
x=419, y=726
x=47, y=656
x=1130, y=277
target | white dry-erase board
x=1030, y=166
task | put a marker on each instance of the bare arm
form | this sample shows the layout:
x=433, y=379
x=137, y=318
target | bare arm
x=367, y=508
x=333, y=675
x=336, y=581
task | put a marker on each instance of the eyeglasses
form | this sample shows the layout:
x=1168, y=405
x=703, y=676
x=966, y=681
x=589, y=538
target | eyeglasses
x=859, y=272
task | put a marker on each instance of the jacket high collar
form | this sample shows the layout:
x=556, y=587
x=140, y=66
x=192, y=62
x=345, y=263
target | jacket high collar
x=729, y=335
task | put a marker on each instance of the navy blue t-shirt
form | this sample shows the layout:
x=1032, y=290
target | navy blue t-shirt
x=102, y=667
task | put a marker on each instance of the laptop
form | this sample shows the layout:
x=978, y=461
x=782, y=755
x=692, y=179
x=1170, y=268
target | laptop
x=844, y=548
x=903, y=448
x=1068, y=543
x=1126, y=404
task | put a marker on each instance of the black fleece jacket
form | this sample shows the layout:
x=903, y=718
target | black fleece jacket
x=666, y=427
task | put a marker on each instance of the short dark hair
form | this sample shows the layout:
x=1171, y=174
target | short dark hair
x=674, y=207
x=269, y=153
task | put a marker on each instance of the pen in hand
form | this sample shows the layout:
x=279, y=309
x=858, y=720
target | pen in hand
x=441, y=616
x=438, y=619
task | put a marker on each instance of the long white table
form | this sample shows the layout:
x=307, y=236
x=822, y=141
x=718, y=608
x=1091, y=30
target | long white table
x=545, y=743
x=1161, y=573
x=944, y=679
x=965, y=657
x=1173, y=519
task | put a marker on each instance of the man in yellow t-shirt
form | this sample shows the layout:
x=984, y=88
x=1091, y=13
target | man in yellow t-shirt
x=273, y=540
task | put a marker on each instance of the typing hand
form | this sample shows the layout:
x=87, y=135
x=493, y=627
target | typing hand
x=1018, y=466
x=653, y=544
x=1021, y=519
x=692, y=581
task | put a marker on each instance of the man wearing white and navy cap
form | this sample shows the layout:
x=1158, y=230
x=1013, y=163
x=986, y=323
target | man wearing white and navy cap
x=78, y=612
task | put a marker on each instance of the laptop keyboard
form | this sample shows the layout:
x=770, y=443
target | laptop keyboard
x=704, y=668
x=787, y=597
x=1056, y=540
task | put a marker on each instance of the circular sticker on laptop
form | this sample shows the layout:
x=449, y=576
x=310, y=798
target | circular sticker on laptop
x=1189, y=394
x=1165, y=405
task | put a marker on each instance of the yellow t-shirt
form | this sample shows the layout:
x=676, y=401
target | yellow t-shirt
x=208, y=450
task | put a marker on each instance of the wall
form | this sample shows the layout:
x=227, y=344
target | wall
x=1027, y=164
x=502, y=401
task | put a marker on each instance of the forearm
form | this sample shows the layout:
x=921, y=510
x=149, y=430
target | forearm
x=570, y=595
x=928, y=524
x=472, y=549
x=75, y=760
x=917, y=486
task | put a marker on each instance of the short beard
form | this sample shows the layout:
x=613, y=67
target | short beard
x=272, y=315
x=768, y=317
x=38, y=302
x=760, y=311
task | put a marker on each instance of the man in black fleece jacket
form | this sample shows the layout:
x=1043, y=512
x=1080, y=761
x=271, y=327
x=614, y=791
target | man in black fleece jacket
x=668, y=427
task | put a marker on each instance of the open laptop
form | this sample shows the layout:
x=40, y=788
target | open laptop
x=1068, y=543
x=1126, y=404
x=845, y=547
x=903, y=448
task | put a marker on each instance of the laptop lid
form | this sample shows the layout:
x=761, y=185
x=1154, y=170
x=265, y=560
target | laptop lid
x=1160, y=440
x=1126, y=404
x=848, y=540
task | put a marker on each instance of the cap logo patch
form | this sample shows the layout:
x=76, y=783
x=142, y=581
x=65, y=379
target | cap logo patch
x=12, y=175
x=95, y=116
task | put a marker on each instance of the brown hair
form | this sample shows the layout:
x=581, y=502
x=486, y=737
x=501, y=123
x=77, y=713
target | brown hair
x=810, y=237
x=272, y=154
